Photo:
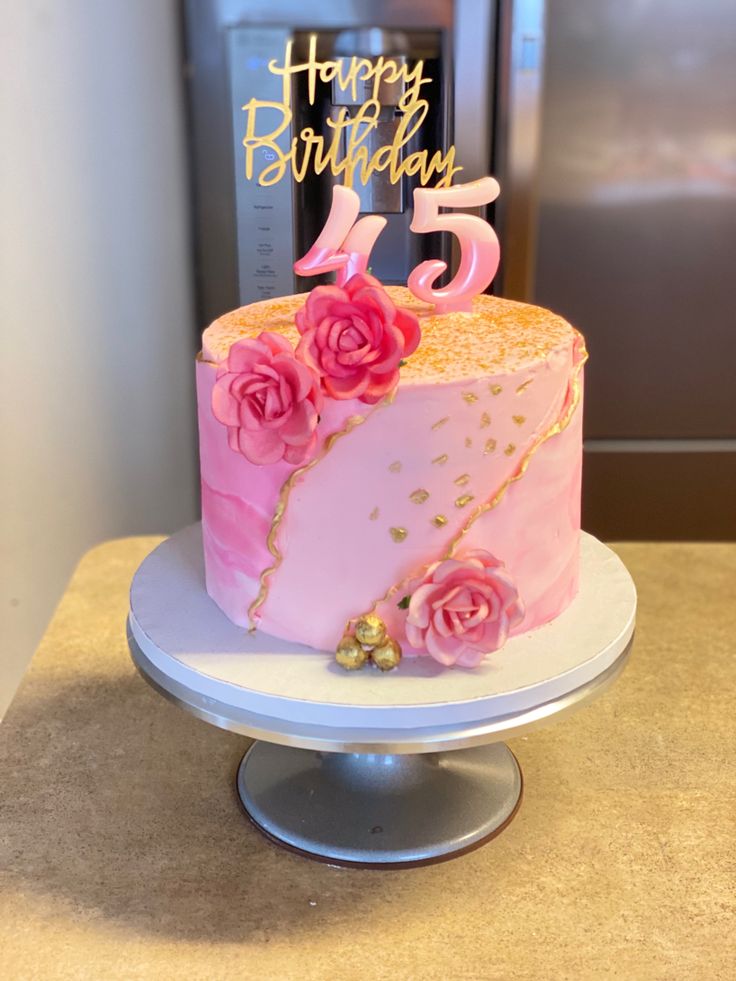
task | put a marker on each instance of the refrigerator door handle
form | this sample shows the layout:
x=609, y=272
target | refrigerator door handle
x=519, y=92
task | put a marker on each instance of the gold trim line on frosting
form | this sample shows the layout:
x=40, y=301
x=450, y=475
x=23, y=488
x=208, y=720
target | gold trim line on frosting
x=283, y=499
x=569, y=405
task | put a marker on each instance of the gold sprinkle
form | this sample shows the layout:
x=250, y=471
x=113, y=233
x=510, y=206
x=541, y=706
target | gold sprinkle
x=419, y=496
x=440, y=422
x=462, y=480
x=374, y=514
x=465, y=499
x=524, y=386
x=398, y=534
x=489, y=447
x=395, y=466
x=495, y=389
x=470, y=397
x=485, y=420
x=441, y=459
x=519, y=420
x=510, y=449
x=439, y=520
x=580, y=356
x=468, y=442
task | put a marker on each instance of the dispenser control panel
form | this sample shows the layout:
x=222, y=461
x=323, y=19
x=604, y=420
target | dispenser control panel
x=264, y=214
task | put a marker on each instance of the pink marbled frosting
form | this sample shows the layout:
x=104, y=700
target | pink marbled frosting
x=481, y=390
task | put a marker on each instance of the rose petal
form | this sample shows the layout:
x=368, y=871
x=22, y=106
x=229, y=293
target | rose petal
x=276, y=343
x=408, y=323
x=351, y=387
x=246, y=354
x=261, y=447
x=320, y=302
x=250, y=416
x=444, y=651
x=300, y=454
x=299, y=428
x=377, y=297
x=379, y=386
x=232, y=438
x=389, y=353
x=360, y=281
x=224, y=406
x=470, y=658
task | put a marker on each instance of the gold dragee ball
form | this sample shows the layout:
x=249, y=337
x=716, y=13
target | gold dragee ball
x=370, y=630
x=349, y=654
x=387, y=655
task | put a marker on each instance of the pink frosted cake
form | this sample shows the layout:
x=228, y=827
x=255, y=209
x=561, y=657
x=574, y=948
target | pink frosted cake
x=374, y=470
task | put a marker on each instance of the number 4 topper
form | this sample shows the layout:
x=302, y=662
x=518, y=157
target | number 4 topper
x=344, y=245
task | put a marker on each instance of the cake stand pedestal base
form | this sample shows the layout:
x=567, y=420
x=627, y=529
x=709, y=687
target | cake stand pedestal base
x=361, y=768
x=375, y=810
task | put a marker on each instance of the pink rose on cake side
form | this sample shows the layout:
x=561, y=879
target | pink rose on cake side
x=354, y=338
x=462, y=609
x=269, y=401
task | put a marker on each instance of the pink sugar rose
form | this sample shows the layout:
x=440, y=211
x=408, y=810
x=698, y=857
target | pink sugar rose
x=462, y=609
x=268, y=400
x=354, y=338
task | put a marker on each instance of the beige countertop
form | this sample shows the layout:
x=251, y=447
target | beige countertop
x=124, y=854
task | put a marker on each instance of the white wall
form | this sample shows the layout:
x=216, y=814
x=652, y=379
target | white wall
x=96, y=394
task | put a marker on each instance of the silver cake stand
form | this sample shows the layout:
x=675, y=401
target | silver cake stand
x=360, y=768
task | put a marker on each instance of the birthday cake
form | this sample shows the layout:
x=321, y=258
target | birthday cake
x=380, y=478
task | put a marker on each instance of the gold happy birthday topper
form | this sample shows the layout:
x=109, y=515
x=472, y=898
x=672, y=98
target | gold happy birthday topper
x=320, y=155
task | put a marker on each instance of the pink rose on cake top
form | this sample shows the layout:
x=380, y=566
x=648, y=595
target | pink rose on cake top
x=269, y=401
x=462, y=609
x=354, y=337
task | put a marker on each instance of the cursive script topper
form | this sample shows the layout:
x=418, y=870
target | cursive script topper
x=341, y=150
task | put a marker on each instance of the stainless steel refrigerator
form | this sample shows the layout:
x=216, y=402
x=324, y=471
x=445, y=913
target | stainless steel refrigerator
x=612, y=129
x=636, y=243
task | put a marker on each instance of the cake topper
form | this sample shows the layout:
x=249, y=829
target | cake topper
x=309, y=150
x=345, y=243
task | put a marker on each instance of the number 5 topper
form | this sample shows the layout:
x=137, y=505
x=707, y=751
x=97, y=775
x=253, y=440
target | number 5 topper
x=480, y=252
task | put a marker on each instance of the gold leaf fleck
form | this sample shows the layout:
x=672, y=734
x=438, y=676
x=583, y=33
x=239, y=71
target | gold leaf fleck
x=468, y=442
x=440, y=422
x=395, y=467
x=374, y=514
x=462, y=480
x=419, y=496
x=495, y=389
x=524, y=386
x=519, y=420
x=439, y=520
x=485, y=420
x=510, y=449
x=398, y=534
x=462, y=501
x=441, y=459
x=489, y=447
x=470, y=397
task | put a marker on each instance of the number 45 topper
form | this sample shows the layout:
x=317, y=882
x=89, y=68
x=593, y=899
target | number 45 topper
x=344, y=245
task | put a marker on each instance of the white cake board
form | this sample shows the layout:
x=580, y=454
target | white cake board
x=292, y=696
x=299, y=696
